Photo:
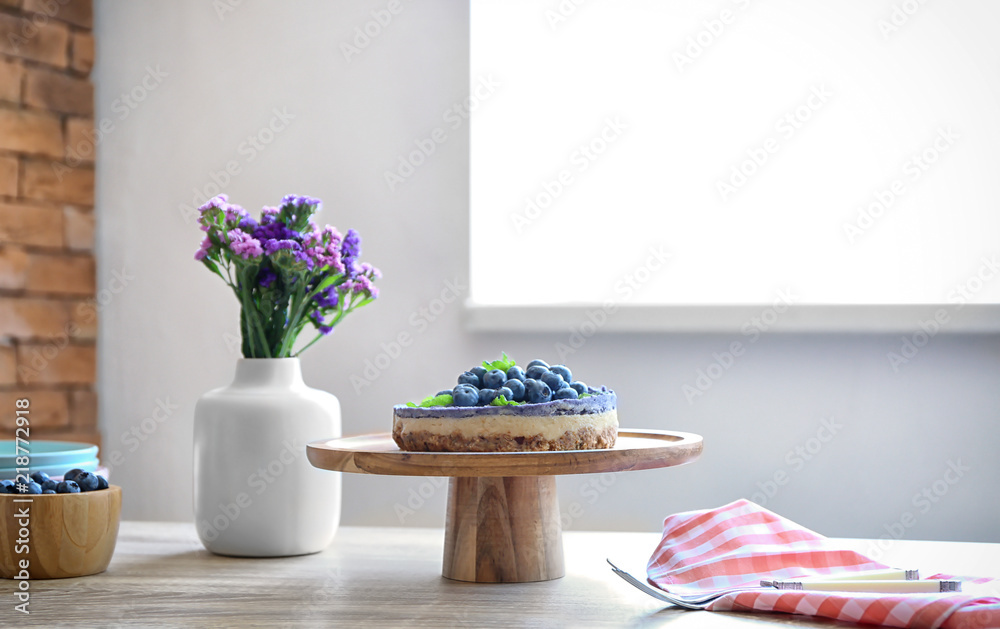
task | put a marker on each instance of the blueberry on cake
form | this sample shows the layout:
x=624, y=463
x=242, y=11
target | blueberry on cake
x=501, y=407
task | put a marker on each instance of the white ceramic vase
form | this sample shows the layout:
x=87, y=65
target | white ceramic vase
x=255, y=492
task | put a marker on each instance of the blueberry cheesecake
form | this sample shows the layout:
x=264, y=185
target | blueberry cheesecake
x=502, y=407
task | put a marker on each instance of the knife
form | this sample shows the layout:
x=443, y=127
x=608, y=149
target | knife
x=886, y=586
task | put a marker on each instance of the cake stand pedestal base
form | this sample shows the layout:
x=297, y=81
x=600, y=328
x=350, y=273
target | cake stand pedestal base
x=503, y=530
x=503, y=523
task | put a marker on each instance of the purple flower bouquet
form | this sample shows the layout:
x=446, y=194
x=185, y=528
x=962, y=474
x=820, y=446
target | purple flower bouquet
x=285, y=271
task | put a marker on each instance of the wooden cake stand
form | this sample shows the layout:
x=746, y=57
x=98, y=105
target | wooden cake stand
x=503, y=523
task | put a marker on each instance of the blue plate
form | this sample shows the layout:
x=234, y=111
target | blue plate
x=56, y=471
x=52, y=457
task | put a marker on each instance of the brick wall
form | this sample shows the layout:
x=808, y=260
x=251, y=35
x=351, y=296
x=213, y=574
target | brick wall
x=48, y=316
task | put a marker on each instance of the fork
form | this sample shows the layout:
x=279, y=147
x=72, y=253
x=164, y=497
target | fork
x=693, y=601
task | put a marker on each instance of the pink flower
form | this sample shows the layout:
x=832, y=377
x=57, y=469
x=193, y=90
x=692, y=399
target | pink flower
x=205, y=246
x=244, y=245
x=220, y=201
x=323, y=247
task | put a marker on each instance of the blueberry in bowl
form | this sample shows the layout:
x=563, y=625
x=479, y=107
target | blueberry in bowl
x=73, y=530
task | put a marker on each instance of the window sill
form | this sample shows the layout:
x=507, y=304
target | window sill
x=860, y=319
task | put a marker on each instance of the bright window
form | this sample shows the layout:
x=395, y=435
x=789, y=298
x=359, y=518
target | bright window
x=846, y=153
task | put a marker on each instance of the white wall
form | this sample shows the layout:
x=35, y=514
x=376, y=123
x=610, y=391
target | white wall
x=163, y=337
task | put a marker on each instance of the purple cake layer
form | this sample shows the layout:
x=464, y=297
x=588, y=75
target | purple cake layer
x=602, y=401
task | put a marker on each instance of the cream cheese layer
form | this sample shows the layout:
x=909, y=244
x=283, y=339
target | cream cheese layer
x=551, y=427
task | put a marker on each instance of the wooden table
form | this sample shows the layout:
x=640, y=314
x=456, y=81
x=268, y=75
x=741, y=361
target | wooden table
x=161, y=576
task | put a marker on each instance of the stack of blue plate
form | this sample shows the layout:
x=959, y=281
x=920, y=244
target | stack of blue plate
x=55, y=458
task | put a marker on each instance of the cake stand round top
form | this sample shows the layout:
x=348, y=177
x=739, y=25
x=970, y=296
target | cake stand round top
x=379, y=454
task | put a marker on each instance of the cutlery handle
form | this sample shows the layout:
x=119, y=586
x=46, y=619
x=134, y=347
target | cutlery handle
x=891, y=587
x=889, y=574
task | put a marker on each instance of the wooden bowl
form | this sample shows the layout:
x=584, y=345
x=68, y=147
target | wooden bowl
x=69, y=535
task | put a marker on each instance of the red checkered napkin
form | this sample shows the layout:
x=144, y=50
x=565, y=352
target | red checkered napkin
x=741, y=543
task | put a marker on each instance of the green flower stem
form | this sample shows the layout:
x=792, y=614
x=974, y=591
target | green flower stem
x=341, y=313
x=299, y=302
x=318, y=336
x=229, y=274
x=253, y=322
x=245, y=332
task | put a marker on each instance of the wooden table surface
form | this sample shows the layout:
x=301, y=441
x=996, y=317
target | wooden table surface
x=161, y=576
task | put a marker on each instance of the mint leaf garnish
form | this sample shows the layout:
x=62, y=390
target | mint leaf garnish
x=503, y=364
x=445, y=399
x=503, y=401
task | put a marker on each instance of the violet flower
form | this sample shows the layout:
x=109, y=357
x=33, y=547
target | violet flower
x=317, y=320
x=274, y=231
x=327, y=298
x=266, y=277
x=268, y=215
x=298, y=200
x=271, y=246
